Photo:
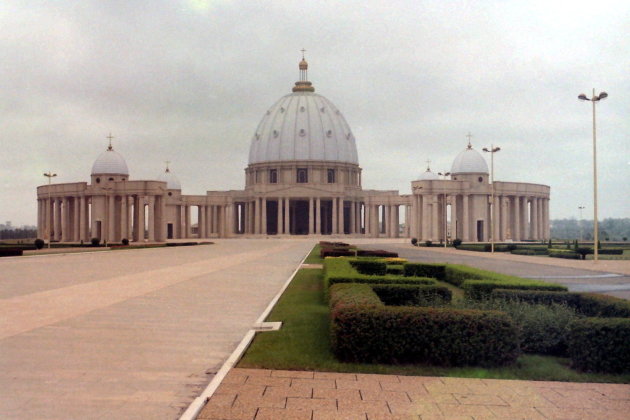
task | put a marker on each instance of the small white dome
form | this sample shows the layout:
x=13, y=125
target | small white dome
x=469, y=161
x=172, y=183
x=428, y=176
x=110, y=163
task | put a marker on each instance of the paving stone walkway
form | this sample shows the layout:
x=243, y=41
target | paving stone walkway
x=262, y=394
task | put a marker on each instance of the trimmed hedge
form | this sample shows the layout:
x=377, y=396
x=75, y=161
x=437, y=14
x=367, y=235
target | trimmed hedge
x=340, y=270
x=412, y=295
x=457, y=274
x=437, y=271
x=446, y=337
x=369, y=267
x=11, y=252
x=395, y=269
x=600, y=345
x=350, y=294
x=376, y=253
x=558, y=253
x=587, y=304
x=482, y=289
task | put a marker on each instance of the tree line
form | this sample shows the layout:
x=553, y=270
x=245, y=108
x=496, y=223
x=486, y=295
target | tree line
x=609, y=229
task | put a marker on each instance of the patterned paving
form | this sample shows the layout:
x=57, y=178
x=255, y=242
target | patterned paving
x=273, y=394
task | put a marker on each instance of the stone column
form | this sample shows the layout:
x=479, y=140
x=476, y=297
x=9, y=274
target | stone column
x=64, y=219
x=334, y=216
x=435, y=217
x=311, y=216
x=541, y=218
x=318, y=216
x=110, y=219
x=279, y=217
x=140, y=220
x=202, y=221
x=124, y=218
x=257, y=217
x=287, y=216
x=57, y=219
x=353, y=216
x=341, y=208
x=368, y=220
x=454, y=230
x=264, y=216
x=465, y=219
x=151, y=218
x=516, y=220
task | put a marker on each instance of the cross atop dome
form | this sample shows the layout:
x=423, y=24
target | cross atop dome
x=469, y=137
x=303, y=85
x=110, y=137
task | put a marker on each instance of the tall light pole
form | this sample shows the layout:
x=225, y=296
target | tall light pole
x=492, y=151
x=50, y=176
x=594, y=99
x=581, y=208
x=445, y=174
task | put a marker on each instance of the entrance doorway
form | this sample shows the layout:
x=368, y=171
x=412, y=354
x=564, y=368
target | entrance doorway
x=298, y=213
x=479, y=230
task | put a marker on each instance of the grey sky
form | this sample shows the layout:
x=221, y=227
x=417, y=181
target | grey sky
x=188, y=81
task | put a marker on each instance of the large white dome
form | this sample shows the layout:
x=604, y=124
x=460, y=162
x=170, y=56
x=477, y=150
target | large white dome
x=303, y=126
x=469, y=161
x=428, y=176
x=172, y=183
x=110, y=163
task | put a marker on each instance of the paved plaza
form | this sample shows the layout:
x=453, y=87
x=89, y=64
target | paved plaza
x=133, y=334
x=140, y=333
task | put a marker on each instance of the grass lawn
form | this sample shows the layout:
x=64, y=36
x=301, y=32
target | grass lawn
x=303, y=344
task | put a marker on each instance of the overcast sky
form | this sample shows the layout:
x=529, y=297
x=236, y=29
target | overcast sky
x=189, y=80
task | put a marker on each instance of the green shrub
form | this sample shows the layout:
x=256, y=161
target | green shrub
x=412, y=295
x=482, y=289
x=340, y=270
x=350, y=294
x=457, y=242
x=11, y=252
x=437, y=271
x=376, y=253
x=568, y=254
x=125, y=241
x=457, y=274
x=445, y=337
x=95, y=241
x=523, y=252
x=414, y=241
x=428, y=243
x=39, y=243
x=600, y=345
x=587, y=304
x=369, y=267
x=395, y=269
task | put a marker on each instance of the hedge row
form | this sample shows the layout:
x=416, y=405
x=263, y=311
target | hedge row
x=482, y=289
x=600, y=344
x=560, y=253
x=587, y=304
x=447, y=337
x=369, y=267
x=412, y=295
x=11, y=252
x=340, y=270
x=437, y=271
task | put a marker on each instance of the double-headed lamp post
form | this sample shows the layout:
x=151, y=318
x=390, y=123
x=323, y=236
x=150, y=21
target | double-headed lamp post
x=50, y=176
x=445, y=174
x=594, y=99
x=492, y=151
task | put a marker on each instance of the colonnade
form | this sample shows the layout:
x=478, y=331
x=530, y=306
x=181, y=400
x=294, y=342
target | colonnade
x=514, y=217
x=109, y=218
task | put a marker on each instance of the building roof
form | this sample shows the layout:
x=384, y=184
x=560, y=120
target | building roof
x=303, y=126
x=469, y=161
x=428, y=175
x=110, y=162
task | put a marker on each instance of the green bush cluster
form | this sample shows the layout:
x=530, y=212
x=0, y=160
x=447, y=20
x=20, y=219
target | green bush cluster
x=446, y=337
x=564, y=253
x=600, y=345
x=481, y=289
x=586, y=304
x=395, y=269
x=437, y=271
x=412, y=295
x=369, y=267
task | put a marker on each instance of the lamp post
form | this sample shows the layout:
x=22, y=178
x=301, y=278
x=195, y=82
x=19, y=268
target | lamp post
x=594, y=100
x=492, y=151
x=50, y=176
x=445, y=174
x=581, y=223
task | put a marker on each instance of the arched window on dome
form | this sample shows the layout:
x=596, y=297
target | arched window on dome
x=331, y=176
x=273, y=176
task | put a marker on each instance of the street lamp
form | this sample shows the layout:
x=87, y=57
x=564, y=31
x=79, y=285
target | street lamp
x=594, y=100
x=50, y=176
x=492, y=151
x=581, y=223
x=445, y=174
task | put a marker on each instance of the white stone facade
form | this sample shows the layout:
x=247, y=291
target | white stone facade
x=303, y=178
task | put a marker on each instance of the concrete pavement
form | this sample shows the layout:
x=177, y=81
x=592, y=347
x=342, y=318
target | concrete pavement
x=129, y=334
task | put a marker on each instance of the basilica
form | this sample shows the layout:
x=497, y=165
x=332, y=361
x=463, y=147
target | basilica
x=303, y=178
